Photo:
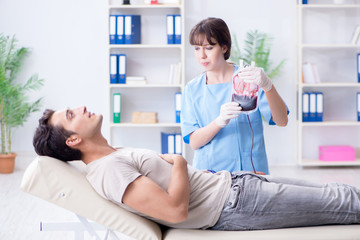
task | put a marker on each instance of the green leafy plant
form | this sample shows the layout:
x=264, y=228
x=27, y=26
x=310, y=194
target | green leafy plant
x=257, y=46
x=14, y=105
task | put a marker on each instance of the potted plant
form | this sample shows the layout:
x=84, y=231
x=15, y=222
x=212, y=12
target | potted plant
x=257, y=46
x=14, y=105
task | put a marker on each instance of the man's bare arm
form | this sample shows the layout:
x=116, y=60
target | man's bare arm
x=145, y=196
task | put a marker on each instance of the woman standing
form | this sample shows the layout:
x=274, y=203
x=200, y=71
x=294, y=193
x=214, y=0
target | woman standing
x=223, y=138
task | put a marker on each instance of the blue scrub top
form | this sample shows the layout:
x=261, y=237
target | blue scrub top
x=230, y=148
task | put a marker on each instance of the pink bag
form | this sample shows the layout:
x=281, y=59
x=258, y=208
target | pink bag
x=336, y=153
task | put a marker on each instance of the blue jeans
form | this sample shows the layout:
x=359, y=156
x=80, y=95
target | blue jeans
x=265, y=202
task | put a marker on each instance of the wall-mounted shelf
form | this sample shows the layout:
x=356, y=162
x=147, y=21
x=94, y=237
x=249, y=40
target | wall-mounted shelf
x=158, y=6
x=317, y=163
x=329, y=123
x=144, y=86
x=324, y=39
x=152, y=125
x=150, y=59
x=175, y=46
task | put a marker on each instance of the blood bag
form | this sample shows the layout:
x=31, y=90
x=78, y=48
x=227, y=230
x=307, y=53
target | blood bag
x=245, y=94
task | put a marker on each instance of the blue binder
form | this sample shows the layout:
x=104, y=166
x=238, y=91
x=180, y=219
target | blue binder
x=120, y=29
x=358, y=66
x=132, y=29
x=358, y=106
x=113, y=68
x=121, y=68
x=312, y=108
x=305, y=107
x=170, y=26
x=319, y=106
x=178, y=33
x=178, y=96
x=112, y=29
x=167, y=143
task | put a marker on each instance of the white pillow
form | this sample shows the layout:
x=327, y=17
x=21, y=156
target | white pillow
x=66, y=186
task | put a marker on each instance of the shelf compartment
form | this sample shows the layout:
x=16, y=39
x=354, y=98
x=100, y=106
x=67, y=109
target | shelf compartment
x=152, y=125
x=331, y=27
x=127, y=7
x=144, y=86
x=331, y=63
x=138, y=136
x=318, y=163
x=332, y=6
x=329, y=123
x=329, y=84
x=315, y=136
x=166, y=46
x=152, y=63
x=346, y=45
x=158, y=100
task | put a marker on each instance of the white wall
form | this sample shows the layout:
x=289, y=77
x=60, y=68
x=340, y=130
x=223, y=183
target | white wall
x=69, y=50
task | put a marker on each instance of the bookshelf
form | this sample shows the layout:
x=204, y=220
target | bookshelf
x=324, y=37
x=151, y=59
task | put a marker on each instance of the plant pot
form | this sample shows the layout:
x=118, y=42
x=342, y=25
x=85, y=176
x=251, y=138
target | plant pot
x=7, y=162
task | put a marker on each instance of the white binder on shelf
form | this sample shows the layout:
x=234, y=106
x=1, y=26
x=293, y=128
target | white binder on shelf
x=177, y=77
x=355, y=37
x=135, y=80
x=310, y=73
x=172, y=71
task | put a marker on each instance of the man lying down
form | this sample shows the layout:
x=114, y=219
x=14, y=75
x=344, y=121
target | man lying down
x=166, y=190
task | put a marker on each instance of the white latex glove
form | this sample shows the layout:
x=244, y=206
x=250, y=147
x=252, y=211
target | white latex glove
x=257, y=76
x=228, y=111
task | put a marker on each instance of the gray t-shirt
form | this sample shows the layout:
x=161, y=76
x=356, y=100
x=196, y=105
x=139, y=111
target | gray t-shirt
x=111, y=175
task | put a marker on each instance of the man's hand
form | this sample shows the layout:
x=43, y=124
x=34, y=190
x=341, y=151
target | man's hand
x=170, y=158
x=170, y=205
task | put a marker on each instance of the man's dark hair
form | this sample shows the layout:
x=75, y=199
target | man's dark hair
x=50, y=140
x=214, y=28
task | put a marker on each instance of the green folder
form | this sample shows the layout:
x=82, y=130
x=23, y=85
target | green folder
x=117, y=107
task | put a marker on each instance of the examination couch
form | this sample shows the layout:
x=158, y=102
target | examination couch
x=65, y=185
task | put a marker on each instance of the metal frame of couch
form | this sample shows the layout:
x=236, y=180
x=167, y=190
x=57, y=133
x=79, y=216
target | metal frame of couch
x=65, y=185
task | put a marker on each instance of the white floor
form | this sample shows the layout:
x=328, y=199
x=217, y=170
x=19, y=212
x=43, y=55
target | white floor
x=20, y=213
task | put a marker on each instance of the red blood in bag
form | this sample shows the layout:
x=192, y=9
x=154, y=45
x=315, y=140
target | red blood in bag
x=247, y=103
